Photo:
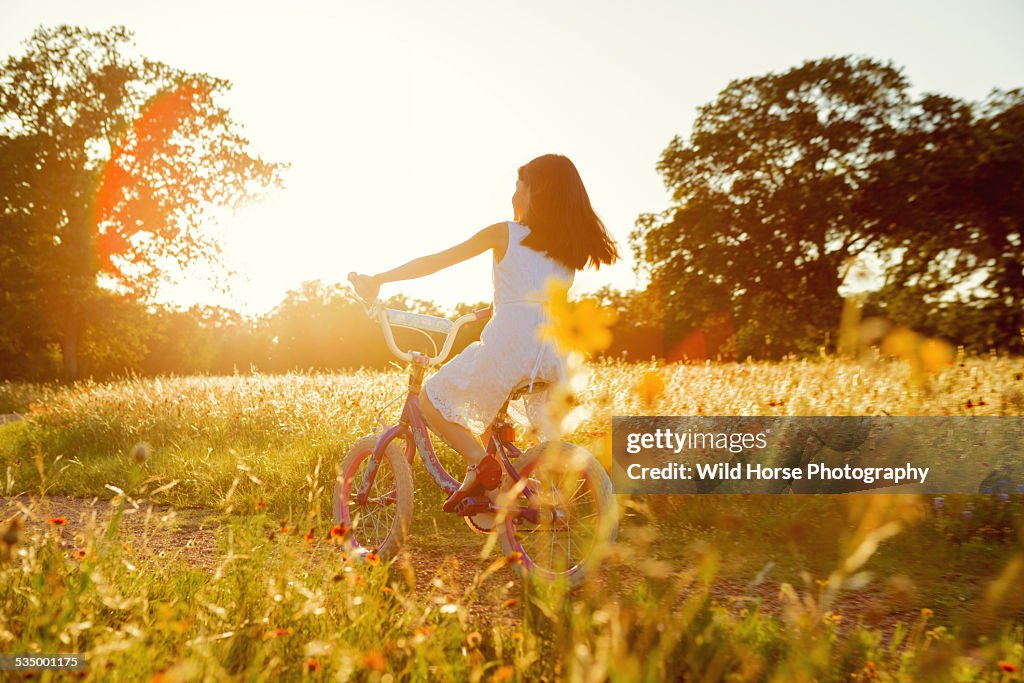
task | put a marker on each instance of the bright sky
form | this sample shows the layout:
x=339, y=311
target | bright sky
x=405, y=122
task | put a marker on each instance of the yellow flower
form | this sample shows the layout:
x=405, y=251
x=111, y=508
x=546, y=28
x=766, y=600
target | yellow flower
x=901, y=343
x=578, y=325
x=650, y=387
x=935, y=354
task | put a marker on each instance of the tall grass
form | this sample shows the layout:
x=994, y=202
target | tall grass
x=698, y=588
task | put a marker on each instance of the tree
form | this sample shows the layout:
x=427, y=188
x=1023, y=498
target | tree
x=765, y=211
x=118, y=159
x=952, y=194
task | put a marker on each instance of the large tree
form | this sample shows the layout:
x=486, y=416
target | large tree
x=786, y=179
x=765, y=210
x=111, y=163
x=952, y=194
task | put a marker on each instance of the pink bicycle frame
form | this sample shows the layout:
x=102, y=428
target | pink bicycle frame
x=413, y=429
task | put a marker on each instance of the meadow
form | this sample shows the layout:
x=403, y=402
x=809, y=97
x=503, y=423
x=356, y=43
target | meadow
x=178, y=528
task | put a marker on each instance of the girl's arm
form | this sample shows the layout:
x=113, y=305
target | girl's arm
x=492, y=237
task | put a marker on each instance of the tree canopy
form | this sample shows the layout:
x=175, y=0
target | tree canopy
x=110, y=164
x=786, y=179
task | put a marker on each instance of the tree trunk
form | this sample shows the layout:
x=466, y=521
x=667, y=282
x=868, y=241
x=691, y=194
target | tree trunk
x=69, y=348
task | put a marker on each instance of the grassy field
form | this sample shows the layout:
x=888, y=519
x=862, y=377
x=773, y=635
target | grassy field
x=206, y=557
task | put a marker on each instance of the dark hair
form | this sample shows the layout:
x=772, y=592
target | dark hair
x=562, y=223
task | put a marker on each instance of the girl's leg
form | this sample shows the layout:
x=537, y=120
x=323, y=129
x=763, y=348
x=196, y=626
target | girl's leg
x=457, y=436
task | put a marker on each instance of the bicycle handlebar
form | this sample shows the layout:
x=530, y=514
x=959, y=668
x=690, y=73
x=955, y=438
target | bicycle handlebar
x=390, y=317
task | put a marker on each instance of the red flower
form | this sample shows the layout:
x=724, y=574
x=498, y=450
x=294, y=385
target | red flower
x=372, y=559
x=277, y=633
x=309, y=537
x=310, y=666
x=58, y=521
x=261, y=505
x=374, y=659
x=1008, y=667
x=338, y=532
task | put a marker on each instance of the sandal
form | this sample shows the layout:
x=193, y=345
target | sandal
x=486, y=475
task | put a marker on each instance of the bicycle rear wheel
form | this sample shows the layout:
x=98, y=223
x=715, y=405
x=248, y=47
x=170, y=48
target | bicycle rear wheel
x=381, y=524
x=570, y=517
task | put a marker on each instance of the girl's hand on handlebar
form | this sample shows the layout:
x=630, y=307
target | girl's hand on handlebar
x=366, y=286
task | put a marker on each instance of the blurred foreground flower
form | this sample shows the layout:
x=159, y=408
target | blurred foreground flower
x=650, y=387
x=926, y=356
x=140, y=453
x=581, y=326
x=10, y=537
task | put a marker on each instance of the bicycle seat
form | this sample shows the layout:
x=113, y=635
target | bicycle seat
x=523, y=388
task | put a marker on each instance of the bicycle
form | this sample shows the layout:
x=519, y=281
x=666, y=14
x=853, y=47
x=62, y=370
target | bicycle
x=555, y=506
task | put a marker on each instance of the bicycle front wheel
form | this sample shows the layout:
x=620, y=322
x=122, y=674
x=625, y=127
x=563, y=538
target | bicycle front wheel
x=568, y=520
x=381, y=524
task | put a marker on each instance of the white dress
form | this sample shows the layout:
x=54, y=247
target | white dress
x=471, y=388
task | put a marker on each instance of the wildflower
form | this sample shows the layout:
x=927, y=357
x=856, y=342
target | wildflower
x=503, y=673
x=516, y=557
x=388, y=590
x=938, y=502
x=935, y=354
x=140, y=452
x=511, y=602
x=337, y=578
x=650, y=387
x=79, y=554
x=372, y=559
x=311, y=666
x=474, y=639
x=338, y=532
x=1008, y=667
x=12, y=534
x=284, y=527
x=58, y=521
x=310, y=536
x=901, y=343
x=577, y=326
x=261, y=504
x=277, y=633
x=374, y=659
x=925, y=612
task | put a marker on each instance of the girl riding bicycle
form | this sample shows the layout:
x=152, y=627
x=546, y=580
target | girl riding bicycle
x=555, y=232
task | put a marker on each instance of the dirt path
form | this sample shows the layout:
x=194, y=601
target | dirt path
x=158, y=532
